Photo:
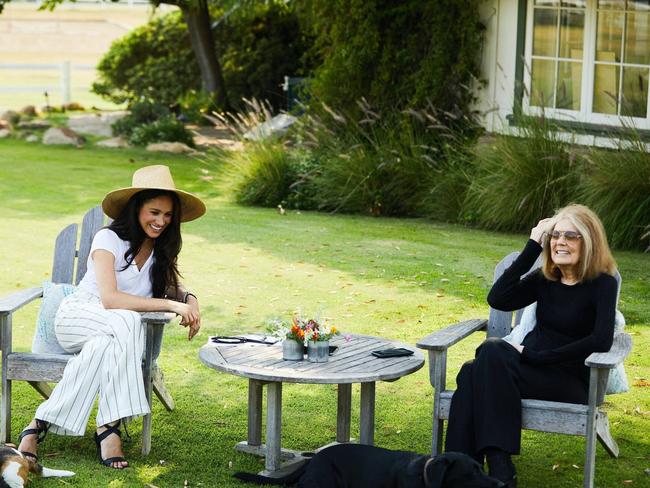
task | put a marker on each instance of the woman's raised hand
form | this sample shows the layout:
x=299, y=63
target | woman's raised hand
x=542, y=227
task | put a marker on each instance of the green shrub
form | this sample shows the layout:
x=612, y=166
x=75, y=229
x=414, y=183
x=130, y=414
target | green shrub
x=257, y=44
x=152, y=62
x=167, y=129
x=519, y=180
x=396, y=54
x=140, y=113
x=616, y=185
x=263, y=174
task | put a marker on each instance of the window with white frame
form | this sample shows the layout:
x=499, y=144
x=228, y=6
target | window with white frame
x=589, y=60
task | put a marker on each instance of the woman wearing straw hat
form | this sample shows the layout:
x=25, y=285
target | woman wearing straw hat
x=131, y=268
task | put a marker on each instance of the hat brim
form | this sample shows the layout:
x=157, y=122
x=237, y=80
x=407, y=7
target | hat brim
x=114, y=202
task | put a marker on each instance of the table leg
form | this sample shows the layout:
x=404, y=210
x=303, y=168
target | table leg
x=367, y=414
x=148, y=388
x=254, y=412
x=273, y=426
x=343, y=412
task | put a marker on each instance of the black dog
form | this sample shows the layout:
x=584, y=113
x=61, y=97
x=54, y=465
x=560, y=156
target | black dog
x=360, y=466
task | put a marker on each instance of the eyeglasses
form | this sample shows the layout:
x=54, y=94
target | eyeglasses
x=569, y=235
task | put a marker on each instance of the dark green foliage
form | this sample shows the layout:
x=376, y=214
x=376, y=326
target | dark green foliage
x=153, y=62
x=141, y=113
x=151, y=122
x=519, y=180
x=167, y=129
x=396, y=54
x=258, y=44
x=616, y=185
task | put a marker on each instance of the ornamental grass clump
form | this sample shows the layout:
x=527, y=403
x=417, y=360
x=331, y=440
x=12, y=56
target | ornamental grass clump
x=406, y=164
x=616, y=185
x=519, y=180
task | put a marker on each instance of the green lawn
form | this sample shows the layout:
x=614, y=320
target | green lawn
x=396, y=278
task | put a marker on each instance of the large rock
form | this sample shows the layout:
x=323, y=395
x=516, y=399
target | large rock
x=62, y=135
x=34, y=124
x=95, y=124
x=10, y=116
x=32, y=138
x=4, y=133
x=119, y=142
x=172, y=147
x=29, y=110
x=274, y=127
x=5, y=124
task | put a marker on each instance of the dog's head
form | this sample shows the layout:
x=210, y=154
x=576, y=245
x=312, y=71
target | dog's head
x=456, y=470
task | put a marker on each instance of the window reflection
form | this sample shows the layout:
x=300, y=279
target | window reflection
x=634, y=102
x=609, y=36
x=606, y=81
x=545, y=32
x=637, y=39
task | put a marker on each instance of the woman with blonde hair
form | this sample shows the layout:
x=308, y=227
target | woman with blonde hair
x=576, y=292
x=131, y=268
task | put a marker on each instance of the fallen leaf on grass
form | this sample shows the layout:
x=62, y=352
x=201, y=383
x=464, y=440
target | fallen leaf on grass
x=372, y=300
x=628, y=482
x=642, y=383
x=555, y=466
x=575, y=466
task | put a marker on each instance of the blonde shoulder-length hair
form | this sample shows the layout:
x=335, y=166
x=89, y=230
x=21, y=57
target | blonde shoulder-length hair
x=595, y=255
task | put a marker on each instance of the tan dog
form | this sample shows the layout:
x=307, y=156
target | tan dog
x=15, y=469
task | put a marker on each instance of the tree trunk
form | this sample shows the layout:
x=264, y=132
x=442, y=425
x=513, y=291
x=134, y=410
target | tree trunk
x=197, y=18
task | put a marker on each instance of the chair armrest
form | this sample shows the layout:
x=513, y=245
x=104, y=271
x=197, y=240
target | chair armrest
x=157, y=317
x=16, y=300
x=441, y=340
x=621, y=347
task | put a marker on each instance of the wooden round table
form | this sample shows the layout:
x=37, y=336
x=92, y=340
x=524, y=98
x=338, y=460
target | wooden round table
x=263, y=365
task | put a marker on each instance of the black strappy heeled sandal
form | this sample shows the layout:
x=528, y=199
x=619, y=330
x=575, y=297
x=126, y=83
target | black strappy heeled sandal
x=110, y=429
x=40, y=431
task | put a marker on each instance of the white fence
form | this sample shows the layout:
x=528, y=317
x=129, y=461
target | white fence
x=65, y=79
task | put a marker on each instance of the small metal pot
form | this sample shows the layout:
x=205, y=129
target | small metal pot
x=292, y=350
x=318, y=351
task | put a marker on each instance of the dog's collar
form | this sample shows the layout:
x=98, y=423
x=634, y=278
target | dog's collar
x=426, y=465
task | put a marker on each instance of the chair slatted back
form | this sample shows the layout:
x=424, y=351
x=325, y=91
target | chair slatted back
x=64, y=254
x=500, y=323
x=92, y=222
x=65, y=248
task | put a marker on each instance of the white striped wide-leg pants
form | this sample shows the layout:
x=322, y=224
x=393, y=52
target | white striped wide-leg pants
x=108, y=345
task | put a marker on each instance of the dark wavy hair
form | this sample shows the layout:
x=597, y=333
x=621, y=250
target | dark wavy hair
x=164, y=272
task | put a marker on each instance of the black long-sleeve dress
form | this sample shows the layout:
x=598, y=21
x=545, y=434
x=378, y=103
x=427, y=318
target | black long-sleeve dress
x=572, y=322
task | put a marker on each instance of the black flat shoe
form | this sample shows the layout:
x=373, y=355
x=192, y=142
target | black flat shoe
x=110, y=429
x=40, y=431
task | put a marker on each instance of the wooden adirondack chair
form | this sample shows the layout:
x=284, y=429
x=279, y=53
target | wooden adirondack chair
x=39, y=369
x=589, y=420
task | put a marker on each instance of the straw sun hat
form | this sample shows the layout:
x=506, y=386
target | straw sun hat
x=156, y=177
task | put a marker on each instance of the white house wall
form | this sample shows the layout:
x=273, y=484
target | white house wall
x=498, y=60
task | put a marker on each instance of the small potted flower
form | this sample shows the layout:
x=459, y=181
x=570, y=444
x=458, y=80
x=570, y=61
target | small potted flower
x=317, y=338
x=293, y=338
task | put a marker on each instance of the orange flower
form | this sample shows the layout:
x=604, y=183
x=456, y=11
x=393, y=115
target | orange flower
x=334, y=331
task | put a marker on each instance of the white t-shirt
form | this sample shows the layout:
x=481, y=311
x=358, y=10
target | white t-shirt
x=131, y=280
